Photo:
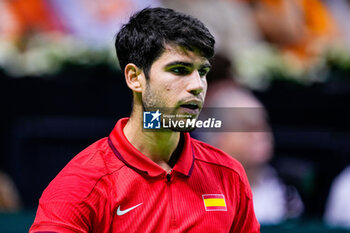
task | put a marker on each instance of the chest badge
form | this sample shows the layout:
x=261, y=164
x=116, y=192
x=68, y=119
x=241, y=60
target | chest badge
x=214, y=202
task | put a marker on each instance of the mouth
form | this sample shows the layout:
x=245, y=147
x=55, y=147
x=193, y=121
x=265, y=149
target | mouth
x=192, y=107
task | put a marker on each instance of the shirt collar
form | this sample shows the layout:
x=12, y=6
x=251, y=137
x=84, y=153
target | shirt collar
x=134, y=159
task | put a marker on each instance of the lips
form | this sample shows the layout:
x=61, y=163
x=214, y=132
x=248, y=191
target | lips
x=192, y=106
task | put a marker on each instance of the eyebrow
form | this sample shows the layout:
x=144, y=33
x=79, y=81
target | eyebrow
x=205, y=65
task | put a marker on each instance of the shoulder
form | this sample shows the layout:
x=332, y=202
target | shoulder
x=213, y=156
x=341, y=184
x=344, y=177
x=83, y=173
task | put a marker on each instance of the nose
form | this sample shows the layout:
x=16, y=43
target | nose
x=197, y=84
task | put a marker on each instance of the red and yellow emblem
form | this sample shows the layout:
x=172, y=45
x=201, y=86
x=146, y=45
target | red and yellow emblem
x=214, y=202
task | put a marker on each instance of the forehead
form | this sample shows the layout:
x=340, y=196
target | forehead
x=173, y=53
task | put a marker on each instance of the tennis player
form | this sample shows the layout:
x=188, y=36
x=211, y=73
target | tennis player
x=137, y=180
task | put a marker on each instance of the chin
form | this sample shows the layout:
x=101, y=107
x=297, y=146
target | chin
x=176, y=129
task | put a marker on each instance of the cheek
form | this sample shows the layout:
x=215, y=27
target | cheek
x=168, y=87
x=205, y=83
x=205, y=88
x=173, y=87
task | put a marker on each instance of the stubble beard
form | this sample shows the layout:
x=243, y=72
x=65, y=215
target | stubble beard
x=151, y=103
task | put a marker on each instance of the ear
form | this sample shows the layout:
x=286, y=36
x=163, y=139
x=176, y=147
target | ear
x=133, y=77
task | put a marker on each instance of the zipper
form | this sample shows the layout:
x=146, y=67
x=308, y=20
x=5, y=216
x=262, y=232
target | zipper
x=169, y=177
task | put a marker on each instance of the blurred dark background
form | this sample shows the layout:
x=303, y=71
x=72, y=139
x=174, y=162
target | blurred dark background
x=40, y=135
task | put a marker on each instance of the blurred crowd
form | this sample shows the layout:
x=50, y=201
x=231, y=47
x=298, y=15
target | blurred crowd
x=256, y=39
x=261, y=37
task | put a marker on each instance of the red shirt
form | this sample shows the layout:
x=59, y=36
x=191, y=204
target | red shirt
x=112, y=187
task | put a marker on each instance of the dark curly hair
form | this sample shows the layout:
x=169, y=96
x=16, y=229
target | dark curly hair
x=141, y=41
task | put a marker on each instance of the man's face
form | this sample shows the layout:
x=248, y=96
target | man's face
x=177, y=81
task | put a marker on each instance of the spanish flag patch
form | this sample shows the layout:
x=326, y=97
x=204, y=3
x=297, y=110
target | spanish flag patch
x=214, y=202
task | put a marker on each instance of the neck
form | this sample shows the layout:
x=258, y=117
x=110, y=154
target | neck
x=158, y=146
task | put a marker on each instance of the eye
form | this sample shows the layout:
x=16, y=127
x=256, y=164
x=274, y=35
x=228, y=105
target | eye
x=203, y=72
x=180, y=70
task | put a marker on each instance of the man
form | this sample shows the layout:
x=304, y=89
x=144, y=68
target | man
x=153, y=181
